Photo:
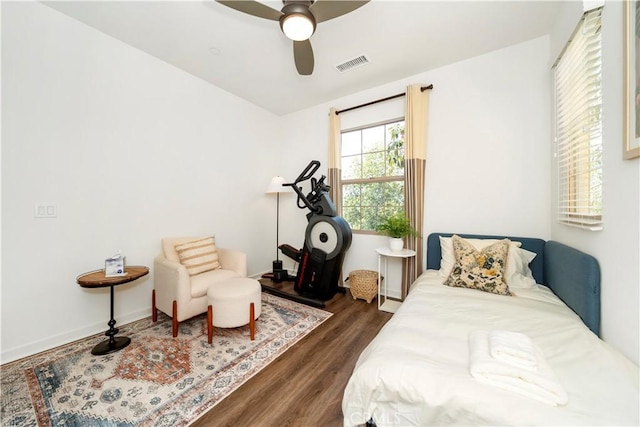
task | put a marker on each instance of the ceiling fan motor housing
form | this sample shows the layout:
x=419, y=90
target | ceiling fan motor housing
x=293, y=10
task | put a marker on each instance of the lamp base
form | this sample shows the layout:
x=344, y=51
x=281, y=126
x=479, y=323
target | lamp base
x=279, y=274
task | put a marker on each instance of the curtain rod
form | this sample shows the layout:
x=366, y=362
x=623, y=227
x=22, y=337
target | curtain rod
x=422, y=89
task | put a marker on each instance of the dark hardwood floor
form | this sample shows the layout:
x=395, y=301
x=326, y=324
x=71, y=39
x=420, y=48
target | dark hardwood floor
x=304, y=386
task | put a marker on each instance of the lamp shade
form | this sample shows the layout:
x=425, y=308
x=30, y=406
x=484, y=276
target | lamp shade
x=275, y=186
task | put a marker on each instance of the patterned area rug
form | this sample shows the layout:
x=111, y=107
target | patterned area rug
x=156, y=380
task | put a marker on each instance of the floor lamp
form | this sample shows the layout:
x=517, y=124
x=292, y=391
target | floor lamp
x=275, y=187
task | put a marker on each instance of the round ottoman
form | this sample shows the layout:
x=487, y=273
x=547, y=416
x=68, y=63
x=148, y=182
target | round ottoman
x=233, y=303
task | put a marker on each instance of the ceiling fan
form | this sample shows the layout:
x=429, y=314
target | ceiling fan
x=298, y=20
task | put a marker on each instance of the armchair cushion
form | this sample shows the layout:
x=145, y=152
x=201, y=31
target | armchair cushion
x=201, y=283
x=198, y=256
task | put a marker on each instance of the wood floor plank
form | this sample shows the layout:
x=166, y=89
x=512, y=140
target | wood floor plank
x=304, y=386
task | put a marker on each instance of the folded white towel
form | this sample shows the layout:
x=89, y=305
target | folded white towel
x=514, y=348
x=541, y=384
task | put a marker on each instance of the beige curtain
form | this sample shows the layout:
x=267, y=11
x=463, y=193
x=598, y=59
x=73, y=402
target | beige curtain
x=334, y=168
x=416, y=112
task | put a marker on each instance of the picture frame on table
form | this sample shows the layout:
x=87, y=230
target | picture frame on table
x=631, y=84
x=114, y=266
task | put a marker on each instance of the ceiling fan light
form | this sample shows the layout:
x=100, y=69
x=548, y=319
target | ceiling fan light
x=297, y=26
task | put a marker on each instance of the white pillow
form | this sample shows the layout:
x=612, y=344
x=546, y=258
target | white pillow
x=521, y=276
x=518, y=270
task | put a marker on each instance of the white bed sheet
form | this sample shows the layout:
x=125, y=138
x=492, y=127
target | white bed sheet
x=416, y=371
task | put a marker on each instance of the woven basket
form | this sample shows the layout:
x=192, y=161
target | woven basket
x=363, y=284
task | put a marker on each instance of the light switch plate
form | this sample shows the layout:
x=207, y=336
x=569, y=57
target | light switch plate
x=45, y=210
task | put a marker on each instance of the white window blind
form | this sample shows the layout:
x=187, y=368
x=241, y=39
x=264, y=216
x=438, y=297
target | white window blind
x=578, y=116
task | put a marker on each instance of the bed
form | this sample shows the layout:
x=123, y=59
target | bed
x=420, y=370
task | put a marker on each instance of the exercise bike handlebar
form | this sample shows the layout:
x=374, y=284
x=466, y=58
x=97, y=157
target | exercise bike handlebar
x=307, y=174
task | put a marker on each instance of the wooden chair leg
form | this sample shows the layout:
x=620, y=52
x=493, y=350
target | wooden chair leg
x=252, y=321
x=154, y=310
x=174, y=320
x=209, y=324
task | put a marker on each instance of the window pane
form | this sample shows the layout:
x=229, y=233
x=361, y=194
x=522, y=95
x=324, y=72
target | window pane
x=373, y=165
x=351, y=167
x=389, y=211
x=352, y=215
x=351, y=143
x=373, y=139
x=372, y=194
x=393, y=195
x=351, y=195
x=395, y=162
x=369, y=217
x=395, y=149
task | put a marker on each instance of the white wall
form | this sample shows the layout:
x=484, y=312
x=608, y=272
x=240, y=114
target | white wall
x=129, y=149
x=617, y=246
x=487, y=150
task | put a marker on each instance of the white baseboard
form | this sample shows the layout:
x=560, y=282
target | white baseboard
x=12, y=354
x=258, y=275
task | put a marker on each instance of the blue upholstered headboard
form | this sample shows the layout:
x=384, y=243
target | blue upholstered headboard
x=572, y=275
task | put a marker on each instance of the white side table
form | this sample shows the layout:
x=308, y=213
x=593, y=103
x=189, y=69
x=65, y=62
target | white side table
x=389, y=305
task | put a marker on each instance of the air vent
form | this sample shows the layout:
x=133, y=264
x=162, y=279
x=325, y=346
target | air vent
x=353, y=63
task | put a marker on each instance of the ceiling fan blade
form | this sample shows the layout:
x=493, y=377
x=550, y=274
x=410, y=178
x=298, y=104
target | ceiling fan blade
x=253, y=8
x=303, y=56
x=329, y=9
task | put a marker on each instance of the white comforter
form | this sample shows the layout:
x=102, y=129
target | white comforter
x=416, y=371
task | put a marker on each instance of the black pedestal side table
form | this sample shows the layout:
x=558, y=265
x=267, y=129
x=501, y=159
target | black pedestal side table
x=97, y=279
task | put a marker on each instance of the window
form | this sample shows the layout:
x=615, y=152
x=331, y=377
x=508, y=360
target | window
x=372, y=173
x=578, y=127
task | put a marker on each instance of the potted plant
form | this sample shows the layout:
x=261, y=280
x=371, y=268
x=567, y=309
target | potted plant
x=396, y=226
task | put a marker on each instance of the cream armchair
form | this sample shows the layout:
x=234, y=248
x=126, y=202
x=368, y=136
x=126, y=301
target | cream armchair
x=180, y=295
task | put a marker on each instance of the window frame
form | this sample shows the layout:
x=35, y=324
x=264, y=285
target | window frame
x=370, y=180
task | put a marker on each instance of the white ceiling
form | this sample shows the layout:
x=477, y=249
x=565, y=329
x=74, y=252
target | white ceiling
x=251, y=58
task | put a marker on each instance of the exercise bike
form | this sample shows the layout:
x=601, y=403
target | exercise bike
x=327, y=239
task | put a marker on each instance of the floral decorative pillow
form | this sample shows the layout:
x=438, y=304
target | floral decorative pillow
x=482, y=270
